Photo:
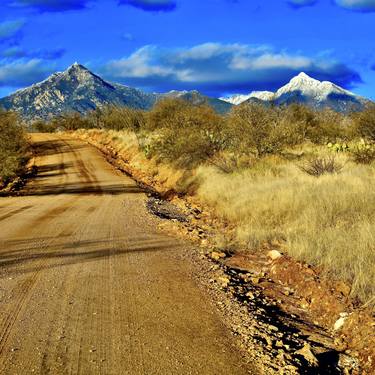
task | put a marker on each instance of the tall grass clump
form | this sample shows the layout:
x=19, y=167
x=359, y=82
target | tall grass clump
x=319, y=166
x=13, y=146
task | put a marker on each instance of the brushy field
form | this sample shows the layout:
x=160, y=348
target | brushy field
x=327, y=221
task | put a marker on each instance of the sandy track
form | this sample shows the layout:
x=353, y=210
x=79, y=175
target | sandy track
x=89, y=286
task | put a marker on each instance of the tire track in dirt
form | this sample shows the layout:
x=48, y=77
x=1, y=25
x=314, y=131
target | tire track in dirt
x=92, y=287
x=84, y=172
x=14, y=212
x=23, y=290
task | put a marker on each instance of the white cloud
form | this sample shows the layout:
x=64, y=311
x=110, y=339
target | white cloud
x=22, y=73
x=216, y=68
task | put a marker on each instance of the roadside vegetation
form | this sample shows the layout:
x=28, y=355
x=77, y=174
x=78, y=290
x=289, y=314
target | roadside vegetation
x=288, y=178
x=13, y=147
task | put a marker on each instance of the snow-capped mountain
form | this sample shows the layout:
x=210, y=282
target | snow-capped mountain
x=239, y=98
x=235, y=99
x=314, y=93
x=79, y=90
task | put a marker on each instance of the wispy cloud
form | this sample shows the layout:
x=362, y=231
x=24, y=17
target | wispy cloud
x=217, y=68
x=17, y=52
x=364, y=6
x=11, y=30
x=301, y=3
x=151, y=5
x=23, y=73
x=44, y=6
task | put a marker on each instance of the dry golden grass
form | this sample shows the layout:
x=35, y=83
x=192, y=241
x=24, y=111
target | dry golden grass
x=327, y=221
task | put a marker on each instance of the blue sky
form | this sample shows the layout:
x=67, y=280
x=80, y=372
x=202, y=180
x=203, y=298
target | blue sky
x=216, y=46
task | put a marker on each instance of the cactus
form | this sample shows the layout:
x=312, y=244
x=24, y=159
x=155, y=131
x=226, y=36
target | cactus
x=338, y=147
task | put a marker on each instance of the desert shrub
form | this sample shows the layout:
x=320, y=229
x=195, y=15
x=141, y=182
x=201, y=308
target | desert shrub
x=118, y=118
x=254, y=129
x=317, y=126
x=13, y=146
x=363, y=153
x=166, y=113
x=302, y=119
x=72, y=121
x=319, y=165
x=187, y=135
x=41, y=126
x=228, y=162
x=365, y=122
x=364, y=156
x=330, y=127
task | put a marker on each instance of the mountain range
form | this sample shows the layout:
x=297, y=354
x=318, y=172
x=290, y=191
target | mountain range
x=79, y=90
x=305, y=90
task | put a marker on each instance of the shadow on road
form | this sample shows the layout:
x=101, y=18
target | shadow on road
x=31, y=257
x=83, y=189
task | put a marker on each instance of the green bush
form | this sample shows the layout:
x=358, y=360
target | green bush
x=13, y=146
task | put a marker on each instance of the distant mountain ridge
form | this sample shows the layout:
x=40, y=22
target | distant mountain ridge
x=196, y=98
x=79, y=90
x=306, y=90
x=240, y=98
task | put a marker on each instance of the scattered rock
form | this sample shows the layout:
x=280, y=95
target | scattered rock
x=343, y=288
x=279, y=344
x=347, y=363
x=274, y=254
x=340, y=322
x=165, y=210
x=223, y=281
x=273, y=328
x=308, y=355
x=217, y=255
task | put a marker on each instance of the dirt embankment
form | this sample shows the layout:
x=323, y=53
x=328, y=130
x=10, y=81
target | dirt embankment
x=302, y=319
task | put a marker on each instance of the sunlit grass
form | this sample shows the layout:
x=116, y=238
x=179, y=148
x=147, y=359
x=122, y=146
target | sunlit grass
x=327, y=221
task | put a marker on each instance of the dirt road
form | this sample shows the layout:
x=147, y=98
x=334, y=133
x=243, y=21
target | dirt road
x=89, y=286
